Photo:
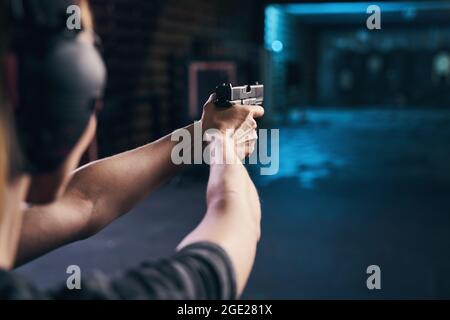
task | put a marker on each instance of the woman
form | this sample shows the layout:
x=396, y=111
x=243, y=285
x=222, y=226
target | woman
x=213, y=262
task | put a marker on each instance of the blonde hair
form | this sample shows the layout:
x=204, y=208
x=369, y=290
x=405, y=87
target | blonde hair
x=86, y=15
x=3, y=131
x=3, y=166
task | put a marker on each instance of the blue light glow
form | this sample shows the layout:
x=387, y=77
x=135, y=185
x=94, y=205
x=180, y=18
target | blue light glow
x=277, y=46
x=360, y=7
x=274, y=24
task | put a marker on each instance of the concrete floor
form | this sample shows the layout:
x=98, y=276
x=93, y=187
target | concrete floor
x=355, y=188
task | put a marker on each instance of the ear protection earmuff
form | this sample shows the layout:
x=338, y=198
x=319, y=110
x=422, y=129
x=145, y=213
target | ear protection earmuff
x=56, y=81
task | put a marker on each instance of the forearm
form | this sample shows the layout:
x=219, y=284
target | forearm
x=115, y=185
x=97, y=194
x=232, y=219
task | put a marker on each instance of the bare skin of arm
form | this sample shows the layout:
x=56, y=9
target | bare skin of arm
x=96, y=195
x=233, y=217
x=102, y=191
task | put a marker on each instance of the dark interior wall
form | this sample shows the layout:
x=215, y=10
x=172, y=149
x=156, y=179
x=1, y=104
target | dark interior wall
x=196, y=30
x=147, y=46
x=332, y=59
x=396, y=67
x=124, y=29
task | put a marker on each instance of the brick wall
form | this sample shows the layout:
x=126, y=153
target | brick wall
x=147, y=45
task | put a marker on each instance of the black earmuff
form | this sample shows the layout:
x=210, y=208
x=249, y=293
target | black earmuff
x=60, y=80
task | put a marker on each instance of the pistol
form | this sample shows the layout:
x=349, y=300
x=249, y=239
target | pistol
x=227, y=95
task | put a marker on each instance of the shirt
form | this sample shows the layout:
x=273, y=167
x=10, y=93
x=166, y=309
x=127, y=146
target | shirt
x=199, y=271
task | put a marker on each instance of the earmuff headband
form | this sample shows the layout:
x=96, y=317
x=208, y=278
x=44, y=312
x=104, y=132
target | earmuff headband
x=59, y=80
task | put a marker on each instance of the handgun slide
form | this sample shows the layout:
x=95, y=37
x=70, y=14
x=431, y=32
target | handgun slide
x=227, y=95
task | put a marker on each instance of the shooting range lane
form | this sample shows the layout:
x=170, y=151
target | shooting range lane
x=355, y=188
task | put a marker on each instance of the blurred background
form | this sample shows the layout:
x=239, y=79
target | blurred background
x=364, y=119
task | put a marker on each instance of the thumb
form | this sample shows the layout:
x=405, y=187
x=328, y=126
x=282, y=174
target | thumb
x=257, y=111
x=211, y=98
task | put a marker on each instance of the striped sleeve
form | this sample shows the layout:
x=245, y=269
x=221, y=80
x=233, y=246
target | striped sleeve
x=199, y=271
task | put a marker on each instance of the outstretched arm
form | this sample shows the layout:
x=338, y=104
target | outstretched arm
x=97, y=194
x=104, y=190
x=233, y=217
